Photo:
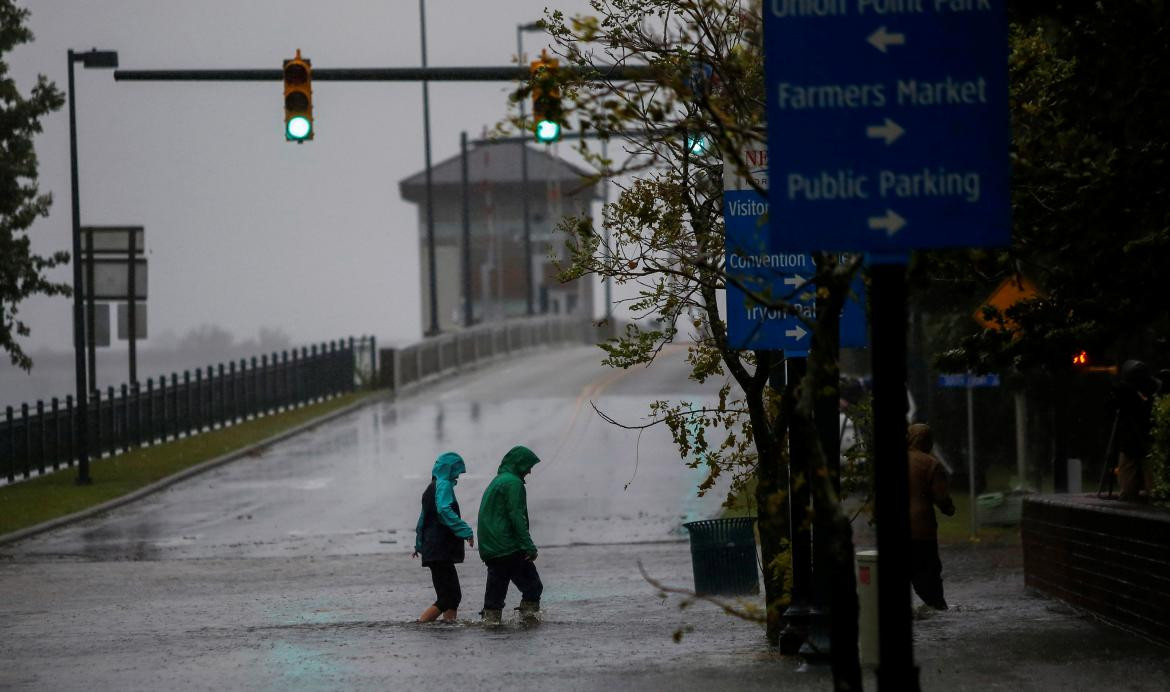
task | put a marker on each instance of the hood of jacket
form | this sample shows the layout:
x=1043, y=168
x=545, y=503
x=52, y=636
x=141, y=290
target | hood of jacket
x=918, y=438
x=448, y=467
x=519, y=461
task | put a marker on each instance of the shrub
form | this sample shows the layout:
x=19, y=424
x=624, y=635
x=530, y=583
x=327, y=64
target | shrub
x=1159, y=457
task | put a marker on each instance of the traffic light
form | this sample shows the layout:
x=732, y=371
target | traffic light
x=546, y=99
x=298, y=99
x=1090, y=361
x=698, y=144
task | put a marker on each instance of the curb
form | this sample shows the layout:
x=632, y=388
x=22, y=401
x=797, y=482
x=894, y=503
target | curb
x=163, y=483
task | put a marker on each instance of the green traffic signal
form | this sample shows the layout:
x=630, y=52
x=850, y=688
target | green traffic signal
x=697, y=144
x=298, y=99
x=298, y=128
x=548, y=131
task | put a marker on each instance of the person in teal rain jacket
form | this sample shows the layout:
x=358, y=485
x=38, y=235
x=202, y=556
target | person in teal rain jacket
x=504, y=542
x=439, y=537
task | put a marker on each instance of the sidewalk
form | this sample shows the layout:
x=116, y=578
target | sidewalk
x=346, y=623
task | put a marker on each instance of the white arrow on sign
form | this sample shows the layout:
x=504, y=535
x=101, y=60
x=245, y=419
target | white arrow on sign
x=889, y=131
x=795, y=281
x=881, y=39
x=796, y=333
x=891, y=223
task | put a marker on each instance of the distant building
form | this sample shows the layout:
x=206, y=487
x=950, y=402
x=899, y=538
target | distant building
x=555, y=189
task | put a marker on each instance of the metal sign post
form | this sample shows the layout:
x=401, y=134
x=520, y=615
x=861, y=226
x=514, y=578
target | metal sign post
x=970, y=382
x=90, y=309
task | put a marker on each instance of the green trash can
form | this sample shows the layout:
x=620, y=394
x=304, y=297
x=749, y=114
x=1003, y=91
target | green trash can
x=723, y=555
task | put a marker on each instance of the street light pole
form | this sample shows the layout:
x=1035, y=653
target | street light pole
x=93, y=58
x=430, y=204
x=608, y=251
x=465, y=255
x=527, y=225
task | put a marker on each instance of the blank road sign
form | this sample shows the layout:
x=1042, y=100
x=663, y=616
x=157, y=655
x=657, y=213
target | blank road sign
x=124, y=321
x=101, y=324
x=113, y=239
x=111, y=279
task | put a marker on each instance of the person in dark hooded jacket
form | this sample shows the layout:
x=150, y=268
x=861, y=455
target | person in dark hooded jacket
x=1133, y=397
x=928, y=489
x=504, y=542
x=439, y=537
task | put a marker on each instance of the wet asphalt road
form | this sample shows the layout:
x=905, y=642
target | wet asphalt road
x=290, y=569
x=353, y=486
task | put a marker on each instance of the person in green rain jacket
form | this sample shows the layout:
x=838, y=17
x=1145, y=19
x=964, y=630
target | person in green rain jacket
x=505, y=545
x=439, y=536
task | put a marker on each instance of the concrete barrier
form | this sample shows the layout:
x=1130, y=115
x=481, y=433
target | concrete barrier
x=432, y=358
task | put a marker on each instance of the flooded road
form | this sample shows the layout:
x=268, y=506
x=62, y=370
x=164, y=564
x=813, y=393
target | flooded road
x=290, y=569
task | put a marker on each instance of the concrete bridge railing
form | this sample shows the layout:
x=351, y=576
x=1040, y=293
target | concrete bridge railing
x=407, y=366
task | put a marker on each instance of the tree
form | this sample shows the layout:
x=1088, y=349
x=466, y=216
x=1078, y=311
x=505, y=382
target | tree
x=22, y=272
x=668, y=241
x=1090, y=96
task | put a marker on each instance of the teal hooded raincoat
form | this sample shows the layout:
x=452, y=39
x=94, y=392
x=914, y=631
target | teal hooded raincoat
x=430, y=534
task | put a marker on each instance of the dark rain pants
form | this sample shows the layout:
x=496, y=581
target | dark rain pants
x=926, y=573
x=514, y=568
x=446, y=581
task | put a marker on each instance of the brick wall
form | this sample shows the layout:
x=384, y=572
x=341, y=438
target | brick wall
x=1106, y=556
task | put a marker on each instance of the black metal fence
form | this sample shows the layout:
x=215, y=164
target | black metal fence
x=44, y=437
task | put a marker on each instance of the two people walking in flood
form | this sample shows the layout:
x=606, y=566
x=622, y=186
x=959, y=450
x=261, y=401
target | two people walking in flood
x=505, y=544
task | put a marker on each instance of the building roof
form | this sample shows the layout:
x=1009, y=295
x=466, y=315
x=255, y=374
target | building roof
x=498, y=164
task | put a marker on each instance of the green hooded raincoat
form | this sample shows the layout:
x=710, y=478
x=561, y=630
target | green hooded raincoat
x=503, y=512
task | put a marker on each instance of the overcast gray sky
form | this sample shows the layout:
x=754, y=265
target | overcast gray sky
x=243, y=229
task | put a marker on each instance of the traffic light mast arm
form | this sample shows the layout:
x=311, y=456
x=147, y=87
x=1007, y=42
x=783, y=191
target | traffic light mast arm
x=506, y=73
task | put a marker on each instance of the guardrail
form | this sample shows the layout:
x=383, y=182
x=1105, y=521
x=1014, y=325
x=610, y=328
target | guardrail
x=417, y=363
x=44, y=437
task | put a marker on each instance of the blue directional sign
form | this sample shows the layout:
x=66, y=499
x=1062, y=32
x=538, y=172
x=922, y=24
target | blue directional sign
x=887, y=124
x=754, y=267
x=967, y=379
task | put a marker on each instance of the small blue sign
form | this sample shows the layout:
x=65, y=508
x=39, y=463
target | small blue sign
x=887, y=124
x=754, y=267
x=967, y=379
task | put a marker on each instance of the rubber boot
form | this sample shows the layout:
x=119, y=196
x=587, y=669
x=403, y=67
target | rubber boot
x=529, y=611
x=491, y=618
